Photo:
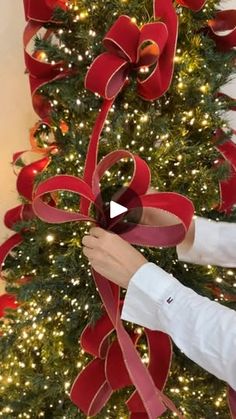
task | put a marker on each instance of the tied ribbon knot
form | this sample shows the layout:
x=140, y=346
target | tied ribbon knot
x=127, y=50
x=154, y=401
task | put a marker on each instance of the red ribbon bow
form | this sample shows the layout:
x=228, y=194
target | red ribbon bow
x=176, y=204
x=126, y=51
x=108, y=373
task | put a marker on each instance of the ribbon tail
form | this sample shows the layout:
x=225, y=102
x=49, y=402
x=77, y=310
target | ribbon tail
x=232, y=402
x=91, y=391
x=92, y=151
x=150, y=395
x=8, y=246
x=225, y=20
x=160, y=356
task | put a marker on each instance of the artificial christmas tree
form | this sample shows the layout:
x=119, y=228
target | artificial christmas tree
x=170, y=122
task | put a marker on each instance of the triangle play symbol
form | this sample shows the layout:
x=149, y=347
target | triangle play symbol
x=116, y=209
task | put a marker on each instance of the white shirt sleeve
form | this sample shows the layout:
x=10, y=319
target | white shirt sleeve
x=214, y=244
x=203, y=329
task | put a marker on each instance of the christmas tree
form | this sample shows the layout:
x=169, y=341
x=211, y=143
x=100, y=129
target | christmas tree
x=177, y=127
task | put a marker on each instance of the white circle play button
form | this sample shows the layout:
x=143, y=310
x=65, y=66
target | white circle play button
x=116, y=209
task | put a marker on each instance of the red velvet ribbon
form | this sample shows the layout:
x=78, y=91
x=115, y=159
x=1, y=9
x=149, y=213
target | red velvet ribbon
x=40, y=73
x=38, y=12
x=174, y=203
x=194, y=5
x=25, y=184
x=227, y=187
x=42, y=10
x=123, y=42
x=228, y=151
x=7, y=301
x=224, y=20
x=232, y=402
x=125, y=45
x=109, y=369
x=22, y=212
x=128, y=53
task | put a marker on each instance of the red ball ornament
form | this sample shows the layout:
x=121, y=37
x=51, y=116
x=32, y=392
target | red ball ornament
x=40, y=55
x=64, y=127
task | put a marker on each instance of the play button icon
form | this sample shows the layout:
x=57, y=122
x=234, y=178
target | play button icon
x=116, y=209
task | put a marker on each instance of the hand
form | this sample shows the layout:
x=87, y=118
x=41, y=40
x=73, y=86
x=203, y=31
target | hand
x=111, y=256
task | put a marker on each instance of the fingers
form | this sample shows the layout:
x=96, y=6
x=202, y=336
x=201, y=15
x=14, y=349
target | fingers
x=96, y=257
x=90, y=241
x=89, y=253
x=94, y=254
x=97, y=232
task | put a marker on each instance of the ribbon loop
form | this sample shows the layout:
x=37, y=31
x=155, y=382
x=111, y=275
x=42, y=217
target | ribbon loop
x=224, y=21
x=123, y=39
x=194, y=5
x=40, y=72
x=140, y=181
x=19, y=213
x=94, y=339
x=61, y=182
x=96, y=391
x=157, y=38
x=112, y=70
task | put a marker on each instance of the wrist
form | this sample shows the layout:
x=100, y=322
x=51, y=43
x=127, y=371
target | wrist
x=135, y=268
x=188, y=241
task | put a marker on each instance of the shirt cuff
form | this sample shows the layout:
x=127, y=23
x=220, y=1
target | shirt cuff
x=148, y=289
x=206, y=243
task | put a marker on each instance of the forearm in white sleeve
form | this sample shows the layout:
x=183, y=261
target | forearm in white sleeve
x=203, y=329
x=214, y=244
